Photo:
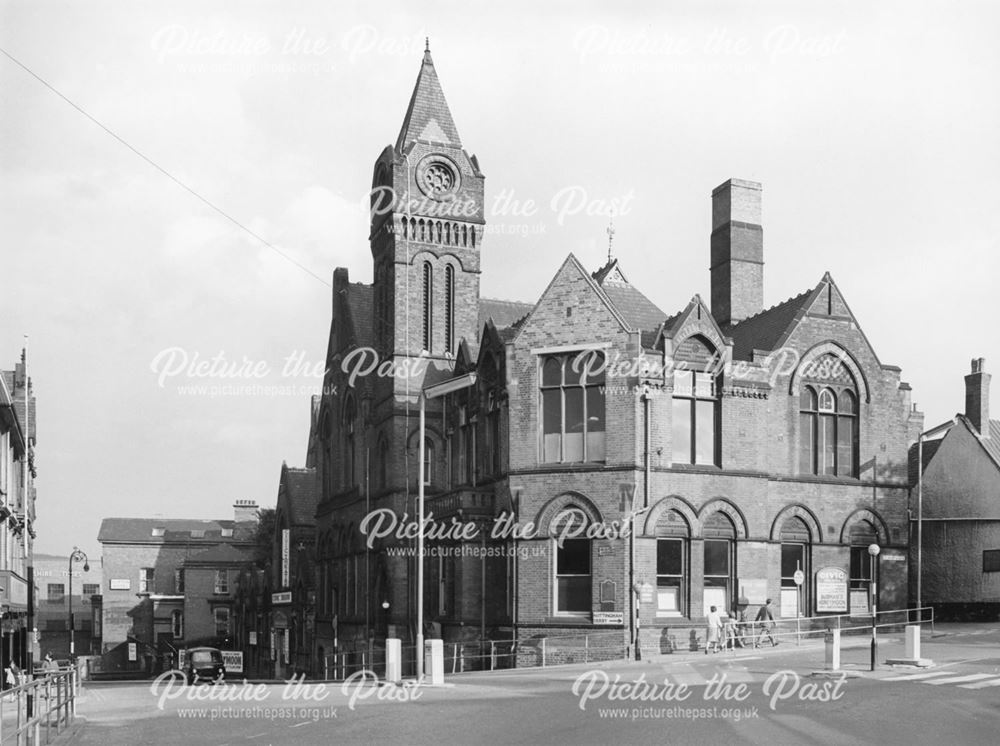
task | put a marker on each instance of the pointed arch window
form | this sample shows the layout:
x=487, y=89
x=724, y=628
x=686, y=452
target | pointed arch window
x=428, y=306
x=449, y=309
x=828, y=424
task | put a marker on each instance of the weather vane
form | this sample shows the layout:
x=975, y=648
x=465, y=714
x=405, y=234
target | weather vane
x=611, y=232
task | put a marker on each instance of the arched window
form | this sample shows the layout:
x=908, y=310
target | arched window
x=695, y=404
x=428, y=461
x=428, y=306
x=573, y=407
x=449, y=309
x=720, y=548
x=795, y=556
x=828, y=420
x=350, y=421
x=863, y=534
x=672, y=545
x=573, y=581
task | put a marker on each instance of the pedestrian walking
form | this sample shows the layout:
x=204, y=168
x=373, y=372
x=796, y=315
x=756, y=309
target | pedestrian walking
x=766, y=617
x=49, y=665
x=714, y=632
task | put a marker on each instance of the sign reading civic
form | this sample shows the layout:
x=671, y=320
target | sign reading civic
x=831, y=590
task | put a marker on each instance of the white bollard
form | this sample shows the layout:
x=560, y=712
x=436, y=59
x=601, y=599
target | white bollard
x=912, y=641
x=434, y=662
x=393, y=661
x=833, y=650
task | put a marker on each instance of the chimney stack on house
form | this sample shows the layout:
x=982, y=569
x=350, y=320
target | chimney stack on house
x=245, y=511
x=977, y=397
x=737, y=265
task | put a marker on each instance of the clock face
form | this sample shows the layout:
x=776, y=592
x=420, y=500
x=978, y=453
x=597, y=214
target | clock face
x=437, y=177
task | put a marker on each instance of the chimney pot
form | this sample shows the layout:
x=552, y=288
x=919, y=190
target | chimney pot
x=977, y=397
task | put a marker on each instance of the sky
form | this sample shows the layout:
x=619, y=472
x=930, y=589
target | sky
x=872, y=127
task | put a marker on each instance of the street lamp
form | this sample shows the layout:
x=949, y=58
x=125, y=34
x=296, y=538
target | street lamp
x=79, y=556
x=873, y=550
x=429, y=392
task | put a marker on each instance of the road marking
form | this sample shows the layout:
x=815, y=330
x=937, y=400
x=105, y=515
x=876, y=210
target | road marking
x=959, y=679
x=299, y=725
x=980, y=685
x=915, y=676
x=256, y=735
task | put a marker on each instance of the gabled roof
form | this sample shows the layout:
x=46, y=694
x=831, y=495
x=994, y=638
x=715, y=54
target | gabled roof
x=186, y=530
x=428, y=117
x=639, y=312
x=302, y=494
x=767, y=329
x=219, y=554
x=991, y=444
x=572, y=261
x=503, y=312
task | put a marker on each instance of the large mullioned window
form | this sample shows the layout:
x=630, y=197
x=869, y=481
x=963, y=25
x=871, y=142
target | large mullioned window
x=573, y=409
x=828, y=424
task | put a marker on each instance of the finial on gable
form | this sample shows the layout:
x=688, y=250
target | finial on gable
x=611, y=233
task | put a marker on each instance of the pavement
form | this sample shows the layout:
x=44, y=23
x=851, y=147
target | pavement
x=954, y=700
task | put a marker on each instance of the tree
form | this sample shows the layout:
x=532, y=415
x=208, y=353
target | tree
x=264, y=538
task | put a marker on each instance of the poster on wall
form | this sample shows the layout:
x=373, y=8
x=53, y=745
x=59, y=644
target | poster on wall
x=789, y=603
x=831, y=590
x=859, y=602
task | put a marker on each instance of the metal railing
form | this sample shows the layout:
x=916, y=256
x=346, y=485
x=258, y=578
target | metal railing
x=45, y=704
x=603, y=645
x=747, y=634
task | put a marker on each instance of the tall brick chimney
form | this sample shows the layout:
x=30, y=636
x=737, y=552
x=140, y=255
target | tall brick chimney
x=737, y=251
x=977, y=397
x=245, y=511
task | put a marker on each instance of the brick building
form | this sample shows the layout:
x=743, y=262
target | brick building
x=292, y=579
x=52, y=607
x=741, y=443
x=170, y=583
x=961, y=510
x=18, y=435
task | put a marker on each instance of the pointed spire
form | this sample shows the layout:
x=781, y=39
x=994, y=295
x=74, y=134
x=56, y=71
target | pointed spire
x=428, y=117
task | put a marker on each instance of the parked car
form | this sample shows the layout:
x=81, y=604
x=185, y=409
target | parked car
x=204, y=664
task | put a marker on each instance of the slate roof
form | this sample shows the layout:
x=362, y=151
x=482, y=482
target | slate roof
x=428, y=116
x=140, y=530
x=302, y=494
x=638, y=311
x=219, y=554
x=765, y=330
x=992, y=443
x=505, y=313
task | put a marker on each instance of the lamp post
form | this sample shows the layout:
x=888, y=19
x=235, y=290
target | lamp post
x=430, y=392
x=873, y=550
x=78, y=555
